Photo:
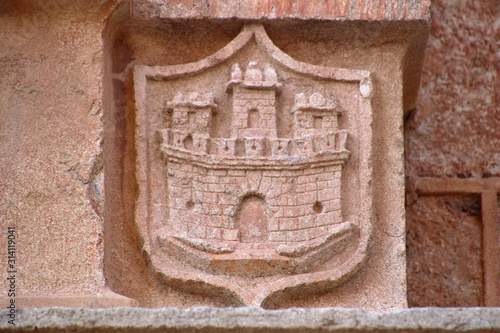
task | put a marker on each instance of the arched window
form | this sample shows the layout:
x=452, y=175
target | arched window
x=188, y=142
x=253, y=118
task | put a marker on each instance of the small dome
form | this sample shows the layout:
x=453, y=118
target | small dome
x=209, y=98
x=253, y=73
x=300, y=99
x=236, y=73
x=179, y=98
x=270, y=74
x=194, y=97
x=317, y=100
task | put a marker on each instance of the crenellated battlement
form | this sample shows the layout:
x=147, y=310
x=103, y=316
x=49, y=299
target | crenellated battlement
x=254, y=133
x=256, y=147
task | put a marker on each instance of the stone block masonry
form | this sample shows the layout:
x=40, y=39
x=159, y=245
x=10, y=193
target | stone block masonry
x=299, y=205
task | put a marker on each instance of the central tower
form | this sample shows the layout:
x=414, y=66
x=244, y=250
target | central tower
x=254, y=101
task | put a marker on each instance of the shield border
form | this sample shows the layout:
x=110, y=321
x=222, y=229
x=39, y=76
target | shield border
x=316, y=281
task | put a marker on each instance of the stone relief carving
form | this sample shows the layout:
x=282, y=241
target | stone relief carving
x=240, y=169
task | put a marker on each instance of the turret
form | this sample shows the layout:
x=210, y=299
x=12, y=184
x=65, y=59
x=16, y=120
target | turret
x=192, y=113
x=314, y=115
x=190, y=121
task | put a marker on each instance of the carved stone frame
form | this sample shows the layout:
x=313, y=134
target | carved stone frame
x=144, y=216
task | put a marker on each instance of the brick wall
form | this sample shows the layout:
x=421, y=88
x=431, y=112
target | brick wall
x=300, y=204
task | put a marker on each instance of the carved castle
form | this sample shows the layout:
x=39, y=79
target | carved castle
x=254, y=189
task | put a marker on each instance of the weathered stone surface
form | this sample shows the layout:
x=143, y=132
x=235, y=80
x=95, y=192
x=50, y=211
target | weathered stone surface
x=50, y=149
x=454, y=130
x=255, y=320
x=445, y=252
x=67, y=91
x=453, y=133
x=280, y=9
x=486, y=191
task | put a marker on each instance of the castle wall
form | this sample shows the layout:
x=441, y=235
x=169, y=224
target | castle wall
x=277, y=147
x=300, y=204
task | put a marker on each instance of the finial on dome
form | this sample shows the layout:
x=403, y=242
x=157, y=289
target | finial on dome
x=194, y=97
x=179, y=98
x=236, y=73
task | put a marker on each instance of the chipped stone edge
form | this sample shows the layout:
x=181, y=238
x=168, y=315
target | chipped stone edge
x=247, y=319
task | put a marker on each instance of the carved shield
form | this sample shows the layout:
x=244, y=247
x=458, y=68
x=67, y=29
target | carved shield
x=253, y=172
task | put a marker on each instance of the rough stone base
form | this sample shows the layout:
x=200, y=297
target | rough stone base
x=207, y=319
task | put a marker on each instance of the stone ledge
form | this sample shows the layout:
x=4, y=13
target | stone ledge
x=205, y=319
x=392, y=10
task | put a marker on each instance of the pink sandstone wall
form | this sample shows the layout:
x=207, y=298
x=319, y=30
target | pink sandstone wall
x=454, y=132
x=50, y=142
